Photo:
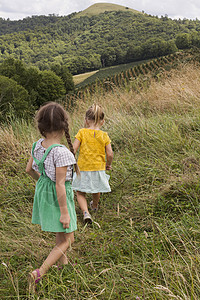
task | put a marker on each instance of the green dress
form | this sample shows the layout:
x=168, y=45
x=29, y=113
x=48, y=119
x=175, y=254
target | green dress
x=46, y=210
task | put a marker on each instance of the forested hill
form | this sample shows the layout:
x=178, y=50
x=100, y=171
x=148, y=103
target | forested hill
x=84, y=43
x=7, y=26
x=30, y=23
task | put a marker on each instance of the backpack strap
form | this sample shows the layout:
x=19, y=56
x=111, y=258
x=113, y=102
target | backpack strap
x=40, y=163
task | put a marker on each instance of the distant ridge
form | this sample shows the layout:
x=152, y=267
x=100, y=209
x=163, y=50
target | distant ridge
x=99, y=8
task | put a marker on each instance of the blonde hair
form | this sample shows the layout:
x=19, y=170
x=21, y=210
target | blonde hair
x=95, y=113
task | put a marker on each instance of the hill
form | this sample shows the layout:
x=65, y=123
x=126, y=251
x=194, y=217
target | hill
x=145, y=242
x=99, y=8
x=84, y=42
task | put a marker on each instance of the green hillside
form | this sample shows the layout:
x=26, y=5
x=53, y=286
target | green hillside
x=86, y=43
x=99, y=8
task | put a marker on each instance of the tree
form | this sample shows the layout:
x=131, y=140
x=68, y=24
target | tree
x=95, y=61
x=171, y=47
x=158, y=47
x=51, y=88
x=108, y=57
x=120, y=55
x=29, y=78
x=65, y=75
x=13, y=68
x=183, y=41
x=13, y=97
x=134, y=53
x=79, y=64
x=195, y=39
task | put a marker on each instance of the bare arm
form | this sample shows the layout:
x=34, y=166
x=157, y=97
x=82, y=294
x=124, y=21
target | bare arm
x=109, y=156
x=61, y=195
x=76, y=145
x=35, y=175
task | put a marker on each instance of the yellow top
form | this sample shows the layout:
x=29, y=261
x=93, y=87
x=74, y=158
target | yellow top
x=92, y=149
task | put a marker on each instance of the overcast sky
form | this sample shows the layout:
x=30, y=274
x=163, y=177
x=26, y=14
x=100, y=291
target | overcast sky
x=19, y=9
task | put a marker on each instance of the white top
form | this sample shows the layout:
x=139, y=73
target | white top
x=57, y=157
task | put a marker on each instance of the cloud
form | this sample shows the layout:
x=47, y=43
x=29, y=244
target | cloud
x=39, y=7
x=18, y=9
x=172, y=8
x=182, y=8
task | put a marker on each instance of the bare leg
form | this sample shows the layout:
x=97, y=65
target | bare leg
x=57, y=252
x=84, y=207
x=59, y=239
x=96, y=198
x=82, y=201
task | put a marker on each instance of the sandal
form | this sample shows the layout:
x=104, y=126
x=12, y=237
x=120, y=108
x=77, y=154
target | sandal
x=33, y=281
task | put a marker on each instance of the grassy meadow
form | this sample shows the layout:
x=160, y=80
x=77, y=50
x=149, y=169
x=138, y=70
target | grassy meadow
x=145, y=242
x=99, y=8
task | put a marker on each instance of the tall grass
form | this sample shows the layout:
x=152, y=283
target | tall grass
x=146, y=242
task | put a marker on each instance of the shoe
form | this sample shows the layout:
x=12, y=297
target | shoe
x=87, y=218
x=93, y=208
x=33, y=281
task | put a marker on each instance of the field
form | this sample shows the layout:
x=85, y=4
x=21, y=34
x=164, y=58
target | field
x=82, y=77
x=145, y=241
x=90, y=77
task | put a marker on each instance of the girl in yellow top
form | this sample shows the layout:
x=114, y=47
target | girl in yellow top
x=95, y=156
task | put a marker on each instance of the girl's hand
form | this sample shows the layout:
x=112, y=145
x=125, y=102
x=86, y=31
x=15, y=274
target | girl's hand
x=35, y=175
x=108, y=167
x=65, y=220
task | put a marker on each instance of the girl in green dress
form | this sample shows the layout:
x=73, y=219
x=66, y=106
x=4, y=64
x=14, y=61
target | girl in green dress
x=51, y=164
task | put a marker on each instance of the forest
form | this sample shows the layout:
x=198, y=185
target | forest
x=85, y=43
x=23, y=89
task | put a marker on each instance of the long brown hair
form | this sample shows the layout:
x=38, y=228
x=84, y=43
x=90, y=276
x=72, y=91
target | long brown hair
x=53, y=117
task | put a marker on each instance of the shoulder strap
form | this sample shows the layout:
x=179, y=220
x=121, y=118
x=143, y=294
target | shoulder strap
x=32, y=152
x=48, y=150
x=40, y=162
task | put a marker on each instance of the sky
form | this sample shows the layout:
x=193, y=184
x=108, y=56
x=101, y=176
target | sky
x=175, y=9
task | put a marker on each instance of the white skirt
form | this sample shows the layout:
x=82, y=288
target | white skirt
x=91, y=182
